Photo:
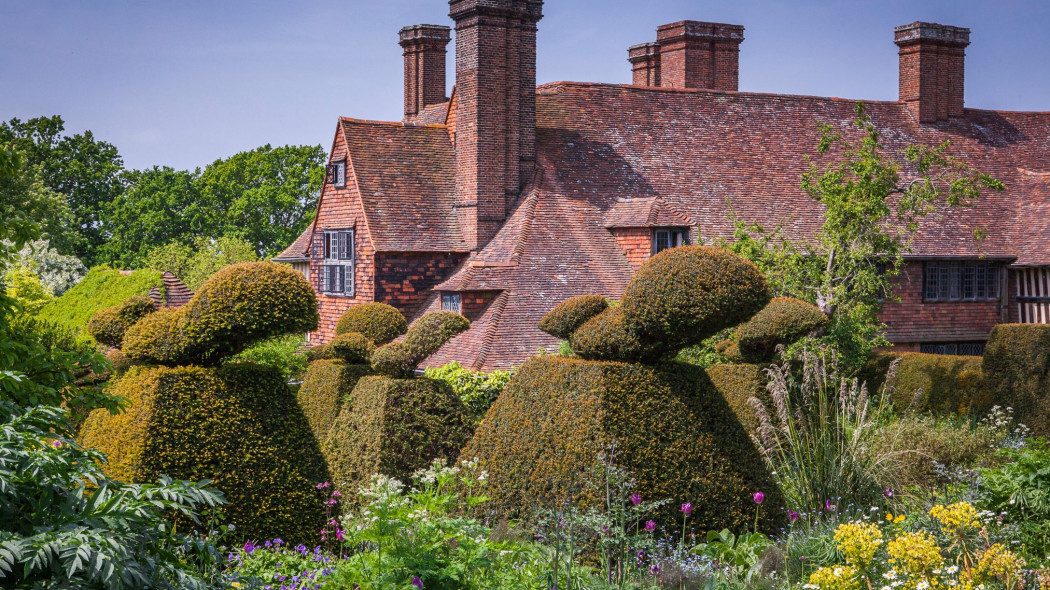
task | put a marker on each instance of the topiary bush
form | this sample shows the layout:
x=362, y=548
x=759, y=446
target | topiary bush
x=1016, y=368
x=108, y=325
x=783, y=321
x=674, y=434
x=729, y=349
x=379, y=322
x=605, y=337
x=940, y=384
x=352, y=347
x=394, y=427
x=237, y=425
x=325, y=388
x=158, y=338
x=424, y=338
x=102, y=287
x=738, y=383
x=572, y=313
x=683, y=295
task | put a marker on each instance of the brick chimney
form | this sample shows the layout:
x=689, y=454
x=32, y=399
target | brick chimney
x=645, y=64
x=932, y=60
x=700, y=55
x=424, y=66
x=495, y=137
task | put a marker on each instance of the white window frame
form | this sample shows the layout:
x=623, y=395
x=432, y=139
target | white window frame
x=452, y=302
x=675, y=236
x=336, y=174
x=337, y=269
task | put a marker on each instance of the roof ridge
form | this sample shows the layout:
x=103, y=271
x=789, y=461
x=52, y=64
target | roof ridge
x=498, y=305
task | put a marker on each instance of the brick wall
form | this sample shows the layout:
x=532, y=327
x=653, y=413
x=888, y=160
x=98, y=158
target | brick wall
x=699, y=55
x=473, y=303
x=404, y=280
x=932, y=69
x=636, y=243
x=424, y=54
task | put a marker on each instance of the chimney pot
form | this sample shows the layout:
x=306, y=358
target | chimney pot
x=932, y=69
x=645, y=64
x=425, y=48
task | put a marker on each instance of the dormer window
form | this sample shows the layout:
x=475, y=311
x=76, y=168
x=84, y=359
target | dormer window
x=335, y=174
x=671, y=237
x=451, y=302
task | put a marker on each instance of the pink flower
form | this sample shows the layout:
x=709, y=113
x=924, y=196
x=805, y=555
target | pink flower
x=650, y=525
x=792, y=515
x=889, y=492
x=636, y=499
x=56, y=443
x=654, y=570
x=687, y=508
x=759, y=497
x=829, y=506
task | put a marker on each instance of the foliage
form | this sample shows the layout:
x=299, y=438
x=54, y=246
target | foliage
x=941, y=384
x=24, y=286
x=674, y=433
x=63, y=523
x=1016, y=368
x=424, y=338
x=873, y=203
x=394, y=426
x=327, y=386
x=736, y=555
x=109, y=324
x=708, y=353
x=279, y=352
x=236, y=425
x=1020, y=490
x=605, y=337
x=57, y=272
x=780, y=323
x=738, y=384
x=102, y=287
x=194, y=263
x=567, y=316
x=683, y=295
x=352, y=347
x=477, y=390
x=158, y=338
x=379, y=322
x=817, y=435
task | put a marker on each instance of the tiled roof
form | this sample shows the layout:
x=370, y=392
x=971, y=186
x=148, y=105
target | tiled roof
x=176, y=294
x=645, y=212
x=434, y=114
x=406, y=178
x=300, y=248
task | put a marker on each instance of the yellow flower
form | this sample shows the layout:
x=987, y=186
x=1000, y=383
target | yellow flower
x=997, y=563
x=915, y=553
x=858, y=542
x=957, y=518
x=839, y=577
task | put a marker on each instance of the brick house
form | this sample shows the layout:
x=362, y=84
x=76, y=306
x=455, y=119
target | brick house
x=509, y=198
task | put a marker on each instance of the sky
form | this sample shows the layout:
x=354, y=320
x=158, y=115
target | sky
x=182, y=83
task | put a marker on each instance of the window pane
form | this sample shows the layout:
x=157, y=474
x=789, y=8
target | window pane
x=663, y=240
x=450, y=302
x=931, y=281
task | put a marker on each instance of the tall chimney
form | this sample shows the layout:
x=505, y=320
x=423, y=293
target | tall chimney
x=495, y=138
x=700, y=55
x=424, y=66
x=645, y=64
x=932, y=60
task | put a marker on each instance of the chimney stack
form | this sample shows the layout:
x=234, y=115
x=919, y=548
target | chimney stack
x=645, y=64
x=699, y=55
x=932, y=60
x=424, y=66
x=495, y=139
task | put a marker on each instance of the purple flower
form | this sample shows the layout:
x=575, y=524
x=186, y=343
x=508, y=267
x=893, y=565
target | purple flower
x=417, y=582
x=687, y=508
x=889, y=492
x=654, y=570
x=56, y=443
x=650, y=525
x=249, y=547
x=792, y=515
x=636, y=499
x=829, y=506
x=336, y=494
x=759, y=497
x=278, y=541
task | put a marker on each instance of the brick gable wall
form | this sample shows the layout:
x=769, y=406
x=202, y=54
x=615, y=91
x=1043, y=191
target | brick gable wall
x=636, y=243
x=405, y=279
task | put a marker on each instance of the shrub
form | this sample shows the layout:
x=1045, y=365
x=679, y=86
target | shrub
x=281, y=352
x=572, y=313
x=937, y=383
x=326, y=387
x=783, y=321
x=477, y=390
x=738, y=383
x=108, y=325
x=118, y=361
x=320, y=352
x=1016, y=370
x=424, y=338
x=730, y=349
x=674, y=434
x=605, y=338
x=394, y=427
x=352, y=347
x=394, y=360
x=236, y=425
x=379, y=322
x=158, y=338
x=102, y=287
x=684, y=295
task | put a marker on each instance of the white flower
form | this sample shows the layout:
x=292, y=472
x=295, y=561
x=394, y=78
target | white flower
x=923, y=585
x=837, y=572
x=890, y=574
x=952, y=583
x=885, y=588
x=952, y=569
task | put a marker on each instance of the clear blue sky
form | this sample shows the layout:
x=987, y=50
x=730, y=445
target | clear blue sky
x=182, y=83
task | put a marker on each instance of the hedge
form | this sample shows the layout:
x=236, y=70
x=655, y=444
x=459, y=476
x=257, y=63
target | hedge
x=352, y=347
x=102, y=287
x=738, y=383
x=379, y=322
x=424, y=338
x=941, y=384
x=605, y=337
x=674, y=434
x=572, y=313
x=684, y=295
x=108, y=325
x=394, y=427
x=326, y=386
x=158, y=338
x=783, y=321
x=1017, y=372
x=237, y=425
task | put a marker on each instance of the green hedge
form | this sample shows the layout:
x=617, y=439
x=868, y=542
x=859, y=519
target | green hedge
x=941, y=384
x=572, y=313
x=605, y=337
x=352, y=347
x=236, y=425
x=394, y=427
x=738, y=383
x=108, y=325
x=674, y=434
x=424, y=338
x=1017, y=372
x=102, y=287
x=783, y=321
x=379, y=322
x=325, y=388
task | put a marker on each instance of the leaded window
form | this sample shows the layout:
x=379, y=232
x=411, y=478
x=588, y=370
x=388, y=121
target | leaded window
x=669, y=238
x=960, y=280
x=337, y=271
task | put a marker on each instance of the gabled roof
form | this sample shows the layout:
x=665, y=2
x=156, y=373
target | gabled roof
x=299, y=251
x=176, y=293
x=645, y=212
x=405, y=175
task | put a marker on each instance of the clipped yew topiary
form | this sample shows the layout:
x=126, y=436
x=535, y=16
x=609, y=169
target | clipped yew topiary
x=237, y=425
x=729, y=349
x=941, y=384
x=352, y=347
x=683, y=295
x=605, y=337
x=158, y=338
x=783, y=321
x=572, y=313
x=738, y=383
x=1016, y=370
x=424, y=338
x=325, y=388
x=674, y=433
x=394, y=427
x=108, y=325
x=379, y=322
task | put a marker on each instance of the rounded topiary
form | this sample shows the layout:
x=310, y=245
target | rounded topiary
x=352, y=347
x=394, y=360
x=326, y=387
x=158, y=338
x=604, y=337
x=108, y=325
x=424, y=338
x=379, y=322
x=684, y=295
x=783, y=321
x=572, y=313
x=118, y=361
